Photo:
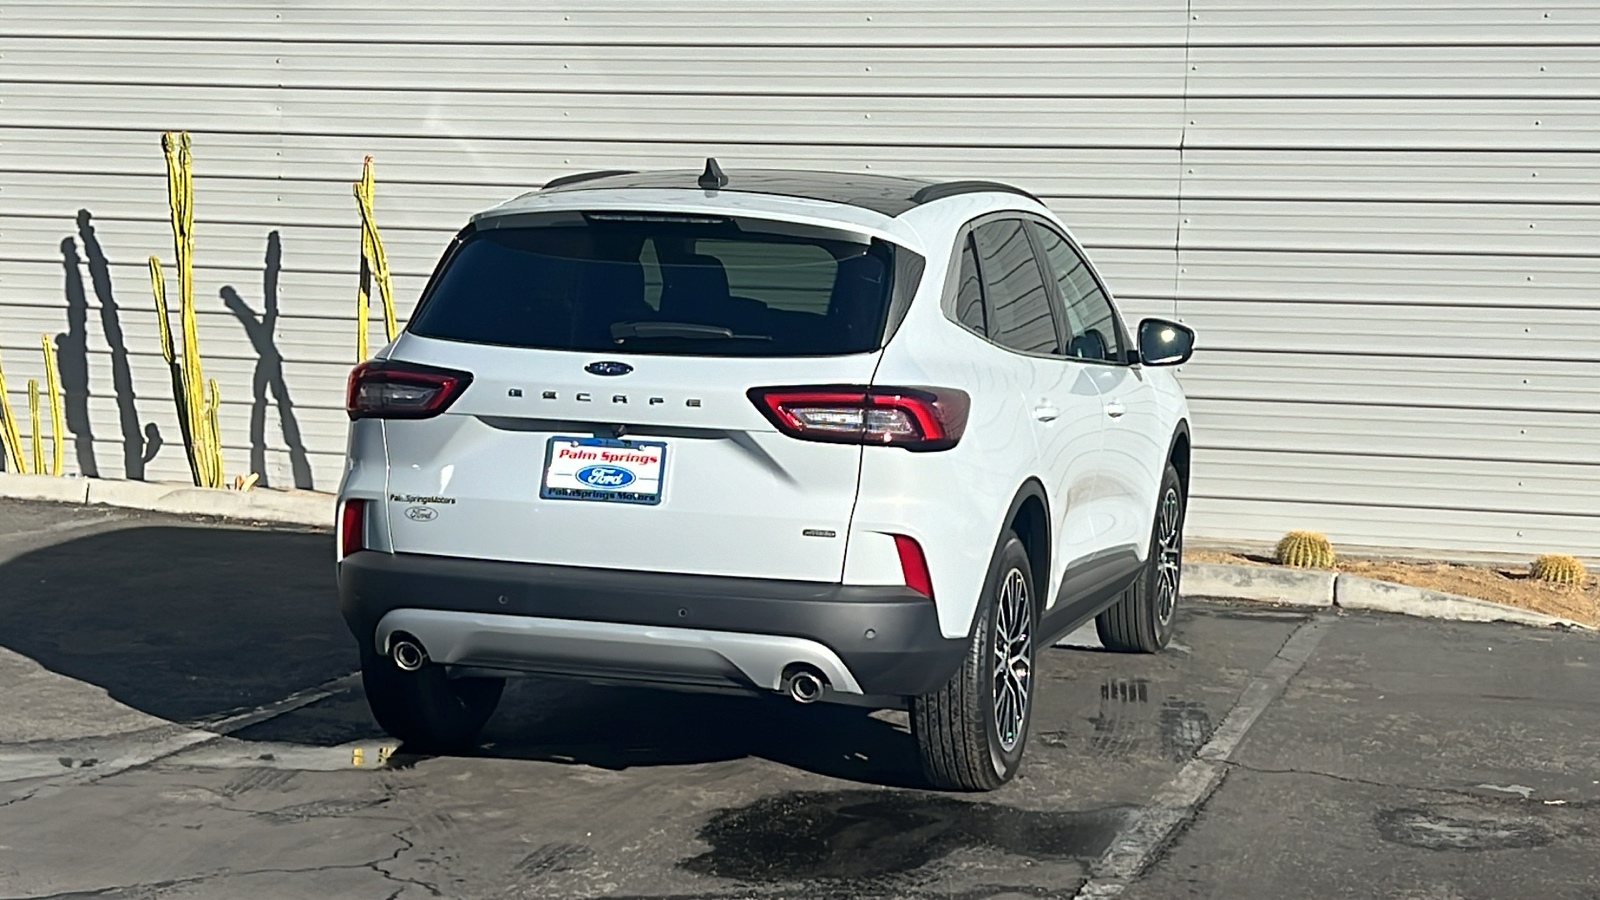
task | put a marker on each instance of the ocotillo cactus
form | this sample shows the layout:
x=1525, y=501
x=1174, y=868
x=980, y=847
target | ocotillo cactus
x=374, y=266
x=1305, y=550
x=202, y=437
x=9, y=436
x=1558, y=568
x=52, y=382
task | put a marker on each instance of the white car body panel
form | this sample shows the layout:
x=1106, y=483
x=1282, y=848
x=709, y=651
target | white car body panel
x=739, y=495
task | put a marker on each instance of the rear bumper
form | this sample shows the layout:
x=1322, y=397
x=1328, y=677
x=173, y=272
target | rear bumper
x=660, y=627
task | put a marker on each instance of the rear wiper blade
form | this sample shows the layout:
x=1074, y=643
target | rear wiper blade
x=624, y=330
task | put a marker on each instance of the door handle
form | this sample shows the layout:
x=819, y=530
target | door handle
x=1114, y=409
x=1046, y=413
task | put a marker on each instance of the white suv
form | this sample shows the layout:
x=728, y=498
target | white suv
x=848, y=438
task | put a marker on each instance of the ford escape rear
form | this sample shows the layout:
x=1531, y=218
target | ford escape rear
x=850, y=438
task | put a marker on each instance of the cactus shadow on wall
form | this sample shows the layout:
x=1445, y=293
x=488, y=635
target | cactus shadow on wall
x=72, y=347
x=268, y=376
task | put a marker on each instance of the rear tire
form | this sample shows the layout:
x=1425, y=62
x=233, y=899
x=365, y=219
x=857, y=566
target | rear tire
x=1141, y=622
x=426, y=710
x=970, y=733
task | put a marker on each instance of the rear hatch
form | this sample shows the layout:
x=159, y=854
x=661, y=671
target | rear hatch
x=607, y=423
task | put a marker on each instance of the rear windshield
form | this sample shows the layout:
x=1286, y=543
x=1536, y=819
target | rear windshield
x=660, y=284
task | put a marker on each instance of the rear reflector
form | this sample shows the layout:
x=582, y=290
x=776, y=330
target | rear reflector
x=914, y=565
x=385, y=389
x=352, y=527
x=913, y=418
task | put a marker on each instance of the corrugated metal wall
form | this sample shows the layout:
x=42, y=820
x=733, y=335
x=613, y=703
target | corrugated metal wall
x=1382, y=215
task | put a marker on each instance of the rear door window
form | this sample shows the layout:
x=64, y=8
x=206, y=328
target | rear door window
x=661, y=284
x=1014, y=292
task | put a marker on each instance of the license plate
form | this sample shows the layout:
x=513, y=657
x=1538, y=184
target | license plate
x=603, y=469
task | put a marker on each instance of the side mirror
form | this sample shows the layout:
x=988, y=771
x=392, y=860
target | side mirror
x=1163, y=343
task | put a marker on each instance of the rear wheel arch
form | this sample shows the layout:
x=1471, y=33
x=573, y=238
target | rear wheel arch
x=1178, y=454
x=1029, y=518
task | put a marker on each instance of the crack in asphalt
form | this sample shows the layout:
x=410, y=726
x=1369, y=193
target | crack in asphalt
x=406, y=845
x=158, y=886
x=375, y=865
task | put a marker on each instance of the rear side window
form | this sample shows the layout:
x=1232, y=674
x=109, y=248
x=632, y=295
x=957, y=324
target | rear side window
x=969, y=292
x=693, y=286
x=1014, y=291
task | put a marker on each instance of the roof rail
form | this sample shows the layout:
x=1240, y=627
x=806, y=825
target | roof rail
x=585, y=176
x=951, y=188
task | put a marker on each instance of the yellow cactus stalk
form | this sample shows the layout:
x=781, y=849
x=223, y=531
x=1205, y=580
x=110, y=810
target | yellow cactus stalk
x=158, y=286
x=1558, y=568
x=374, y=266
x=1305, y=550
x=34, y=437
x=214, y=436
x=9, y=436
x=363, y=303
x=53, y=386
x=199, y=416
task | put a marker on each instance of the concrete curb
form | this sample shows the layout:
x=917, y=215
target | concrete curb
x=1295, y=587
x=1356, y=592
x=263, y=505
x=1300, y=587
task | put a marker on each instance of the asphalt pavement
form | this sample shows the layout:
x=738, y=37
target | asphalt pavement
x=179, y=717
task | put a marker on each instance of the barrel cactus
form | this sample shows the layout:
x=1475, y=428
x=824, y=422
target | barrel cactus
x=1305, y=550
x=1558, y=568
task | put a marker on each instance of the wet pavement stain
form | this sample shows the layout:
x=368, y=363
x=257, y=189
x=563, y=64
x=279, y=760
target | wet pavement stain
x=1121, y=718
x=1185, y=727
x=862, y=835
x=1126, y=690
x=1434, y=831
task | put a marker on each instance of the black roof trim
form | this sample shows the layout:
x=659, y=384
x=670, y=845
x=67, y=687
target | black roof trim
x=886, y=194
x=585, y=176
x=953, y=188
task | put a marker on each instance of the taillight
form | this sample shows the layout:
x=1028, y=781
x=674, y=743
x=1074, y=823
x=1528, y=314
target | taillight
x=385, y=389
x=352, y=527
x=914, y=565
x=913, y=418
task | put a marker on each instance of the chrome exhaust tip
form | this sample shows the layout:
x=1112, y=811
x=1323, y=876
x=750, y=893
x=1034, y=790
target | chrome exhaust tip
x=407, y=654
x=803, y=686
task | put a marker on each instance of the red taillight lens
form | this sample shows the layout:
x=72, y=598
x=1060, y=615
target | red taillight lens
x=385, y=389
x=914, y=565
x=352, y=527
x=914, y=418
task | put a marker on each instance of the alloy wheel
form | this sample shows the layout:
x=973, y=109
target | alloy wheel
x=1169, y=554
x=1013, y=658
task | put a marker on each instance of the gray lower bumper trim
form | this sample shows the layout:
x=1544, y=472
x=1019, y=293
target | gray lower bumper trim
x=535, y=644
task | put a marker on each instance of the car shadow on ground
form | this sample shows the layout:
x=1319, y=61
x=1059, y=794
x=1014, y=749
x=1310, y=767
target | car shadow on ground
x=190, y=623
x=623, y=727
x=182, y=622
x=617, y=727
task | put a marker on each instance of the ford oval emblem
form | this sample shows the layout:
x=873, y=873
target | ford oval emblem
x=608, y=367
x=604, y=476
x=421, y=514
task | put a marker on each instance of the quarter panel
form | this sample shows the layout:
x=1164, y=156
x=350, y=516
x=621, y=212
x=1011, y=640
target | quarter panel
x=952, y=501
x=366, y=477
